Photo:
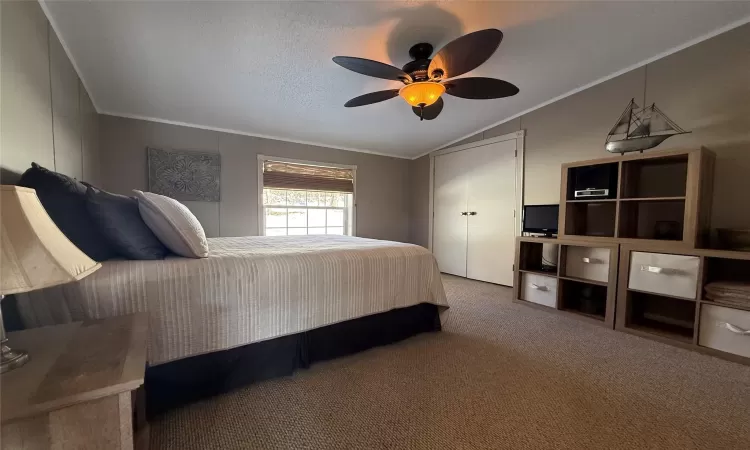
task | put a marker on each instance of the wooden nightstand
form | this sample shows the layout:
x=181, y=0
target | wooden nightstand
x=78, y=389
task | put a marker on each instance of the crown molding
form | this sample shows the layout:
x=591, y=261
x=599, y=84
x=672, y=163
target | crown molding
x=245, y=133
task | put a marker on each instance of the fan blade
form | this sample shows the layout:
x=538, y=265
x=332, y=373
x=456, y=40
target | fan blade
x=372, y=68
x=480, y=88
x=466, y=53
x=372, y=97
x=430, y=112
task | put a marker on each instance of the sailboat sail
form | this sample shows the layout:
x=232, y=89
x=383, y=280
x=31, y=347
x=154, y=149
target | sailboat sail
x=661, y=123
x=623, y=123
x=640, y=129
x=643, y=127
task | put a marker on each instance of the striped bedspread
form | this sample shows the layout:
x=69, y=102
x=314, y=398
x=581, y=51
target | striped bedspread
x=249, y=289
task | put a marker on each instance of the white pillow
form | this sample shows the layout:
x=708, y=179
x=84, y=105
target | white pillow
x=173, y=223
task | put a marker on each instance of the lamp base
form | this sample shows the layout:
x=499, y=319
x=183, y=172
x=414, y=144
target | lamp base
x=9, y=359
x=12, y=359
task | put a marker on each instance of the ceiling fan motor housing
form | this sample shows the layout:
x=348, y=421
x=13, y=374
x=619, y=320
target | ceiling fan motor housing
x=418, y=74
x=423, y=50
x=417, y=69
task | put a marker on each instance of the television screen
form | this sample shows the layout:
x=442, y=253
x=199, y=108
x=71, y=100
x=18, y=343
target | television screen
x=540, y=218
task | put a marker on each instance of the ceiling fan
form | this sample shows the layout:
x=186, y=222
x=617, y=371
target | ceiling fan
x=425, y=79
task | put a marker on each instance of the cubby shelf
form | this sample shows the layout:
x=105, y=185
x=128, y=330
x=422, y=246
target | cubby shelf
x=583, y=280
x=696, y=324
x=584, y=285
x=628, y=199
x=656, y=214
x=651, y=199
x=659, y=197
x=685, y=338
x=594, y=317
x=592, y=200
x=726, y=304
x=674, y=297
x=543, y=273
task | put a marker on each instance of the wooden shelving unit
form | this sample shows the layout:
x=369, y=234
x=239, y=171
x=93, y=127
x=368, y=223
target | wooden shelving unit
x=658, y=197
x=583, y=280
x=585, y=290
x=679, y=313
x=653, y=199
x=537, y=272
x=638, y=291
x=588, y=200
x=656, y=219
x=727, y=305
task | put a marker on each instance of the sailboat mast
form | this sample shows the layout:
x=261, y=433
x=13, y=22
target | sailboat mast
x=623, y=120
x=630, y=117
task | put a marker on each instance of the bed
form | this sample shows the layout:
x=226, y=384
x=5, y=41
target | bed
x=282, y=301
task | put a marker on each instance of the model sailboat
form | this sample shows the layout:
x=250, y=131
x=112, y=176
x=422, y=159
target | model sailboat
x=640, y=129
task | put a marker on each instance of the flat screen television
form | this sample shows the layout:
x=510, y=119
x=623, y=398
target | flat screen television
x=540, y=219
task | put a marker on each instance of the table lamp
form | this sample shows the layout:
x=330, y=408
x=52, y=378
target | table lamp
x=34, y=254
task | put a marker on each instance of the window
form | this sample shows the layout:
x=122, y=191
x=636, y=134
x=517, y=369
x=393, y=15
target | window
x=301, y=198
x=295, y=212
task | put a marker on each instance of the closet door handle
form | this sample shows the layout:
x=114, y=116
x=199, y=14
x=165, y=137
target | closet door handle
x=473, y=213
x=464, y=213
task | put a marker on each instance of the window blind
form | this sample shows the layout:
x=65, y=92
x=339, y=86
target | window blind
x=282, y=175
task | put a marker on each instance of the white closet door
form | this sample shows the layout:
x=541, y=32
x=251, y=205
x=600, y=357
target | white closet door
x=449, y=224
x=491, y=179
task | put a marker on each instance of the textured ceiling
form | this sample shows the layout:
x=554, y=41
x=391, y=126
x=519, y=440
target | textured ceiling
x=265, y=68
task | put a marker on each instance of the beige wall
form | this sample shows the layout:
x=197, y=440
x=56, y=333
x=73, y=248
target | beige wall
x=572, y=129
x=382, y=182
x=46, y=115
x=419, y=208
x=708, y=88
x=704, y=88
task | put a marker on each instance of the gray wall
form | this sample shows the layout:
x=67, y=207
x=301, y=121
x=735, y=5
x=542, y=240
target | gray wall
x=382, y=182
x=704, y=88
x=419, y=193
x=46, y=115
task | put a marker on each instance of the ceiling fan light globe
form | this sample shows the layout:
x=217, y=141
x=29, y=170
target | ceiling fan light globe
x=423, y=93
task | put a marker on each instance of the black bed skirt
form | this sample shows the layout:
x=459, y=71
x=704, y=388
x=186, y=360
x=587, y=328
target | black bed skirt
x=186, y=380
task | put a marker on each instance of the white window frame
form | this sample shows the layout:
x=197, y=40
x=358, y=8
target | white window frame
x=261, y=212
x=343, y=209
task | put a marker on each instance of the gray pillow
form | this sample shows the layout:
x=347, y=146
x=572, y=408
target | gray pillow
x=119, y=220
x=174, y=224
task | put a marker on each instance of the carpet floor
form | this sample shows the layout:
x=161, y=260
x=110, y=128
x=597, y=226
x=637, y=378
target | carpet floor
x=500, y=375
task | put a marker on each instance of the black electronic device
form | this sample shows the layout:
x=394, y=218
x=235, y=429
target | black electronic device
x=593, y=182
x=541, y=219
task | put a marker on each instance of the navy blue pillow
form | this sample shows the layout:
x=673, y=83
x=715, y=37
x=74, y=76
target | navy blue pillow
x=120, y=222
x=64, y=198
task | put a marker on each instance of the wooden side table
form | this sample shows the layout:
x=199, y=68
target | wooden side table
x=77, y=390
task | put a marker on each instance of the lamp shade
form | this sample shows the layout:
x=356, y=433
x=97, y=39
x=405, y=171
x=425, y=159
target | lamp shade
x=423, y=93
x=34, y=253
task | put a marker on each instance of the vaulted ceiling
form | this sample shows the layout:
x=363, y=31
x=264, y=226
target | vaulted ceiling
x=265, y=69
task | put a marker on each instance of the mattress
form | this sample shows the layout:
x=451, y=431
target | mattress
x=249, y=289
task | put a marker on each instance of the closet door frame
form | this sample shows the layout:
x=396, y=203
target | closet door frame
x=519, y=137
